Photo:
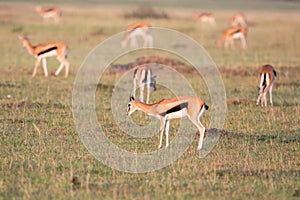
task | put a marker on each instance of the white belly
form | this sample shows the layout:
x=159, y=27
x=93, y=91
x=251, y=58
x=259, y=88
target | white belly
x=175, y=115
x=238, y=35
x=49, y=54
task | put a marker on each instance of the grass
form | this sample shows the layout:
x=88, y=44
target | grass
x=42, y=156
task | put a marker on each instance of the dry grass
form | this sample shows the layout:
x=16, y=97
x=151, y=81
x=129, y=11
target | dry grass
x=42, y=156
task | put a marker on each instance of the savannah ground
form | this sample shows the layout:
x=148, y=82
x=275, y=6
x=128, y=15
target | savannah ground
x=42, y=156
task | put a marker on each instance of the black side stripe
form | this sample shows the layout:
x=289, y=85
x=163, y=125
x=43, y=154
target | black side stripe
x=175, y=109
x=275, y=73
x=264, y=81
x=47, y=50
x=237, y=31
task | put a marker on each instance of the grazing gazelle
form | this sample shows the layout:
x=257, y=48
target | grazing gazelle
x=172, y=108
x=138, y=29
x=232, y=33
x=143, y=76
x=52, y=12
x=43, y=51
x=238, y=19
x=267, y=77
x=205, y=18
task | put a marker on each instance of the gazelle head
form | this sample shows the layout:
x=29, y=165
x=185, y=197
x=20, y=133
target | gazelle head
x=24, y=39
x=131, y=106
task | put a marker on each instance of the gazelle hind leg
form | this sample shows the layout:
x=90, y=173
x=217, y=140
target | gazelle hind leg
x=167, y=132
x=270, y=92
x=45, y=67
x=201, y=129
x=67, y=68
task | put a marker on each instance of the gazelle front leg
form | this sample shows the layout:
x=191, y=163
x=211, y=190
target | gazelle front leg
x=45, y=67
x=161, y=131
x=244, y=43
x=37, y=62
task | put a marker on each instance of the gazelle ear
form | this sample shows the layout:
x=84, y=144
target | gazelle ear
x=20, y=37
x=154, y=76
x=131, y=98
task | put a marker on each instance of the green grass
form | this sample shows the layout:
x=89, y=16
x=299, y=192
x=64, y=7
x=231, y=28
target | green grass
x=256, y=157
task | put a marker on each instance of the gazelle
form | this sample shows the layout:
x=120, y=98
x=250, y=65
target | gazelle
x=238, y=19
x=232, y=33
x=267, y=77
x=135, y=30
x=172, y=108
x=43, y=51
x=205, y=18
x=143, y=76
x=52, y=12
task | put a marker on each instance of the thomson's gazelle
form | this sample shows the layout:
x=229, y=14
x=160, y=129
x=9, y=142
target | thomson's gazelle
x=172, y=108
x=232, y=33
x=206, y=18
x=143, y=76
x=43, y=51
x=135, y=30
x=52, y=12
x=267, y=76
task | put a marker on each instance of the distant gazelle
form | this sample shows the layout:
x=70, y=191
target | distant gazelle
x=43, y=51
x=172, y=108
x=143, y=76
x=267, y=77
x=135, y=30
x=238, y=19
x=205, y=18
x=232, y=33
x=51, y=12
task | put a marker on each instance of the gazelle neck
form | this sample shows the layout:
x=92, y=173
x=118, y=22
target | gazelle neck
x=143, y=107
x=28, y=46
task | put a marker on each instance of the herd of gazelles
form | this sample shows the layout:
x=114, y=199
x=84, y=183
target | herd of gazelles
x=166, y=109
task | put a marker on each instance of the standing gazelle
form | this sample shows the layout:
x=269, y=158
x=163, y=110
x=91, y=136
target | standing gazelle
x=267, y=77
x=205, y=18
x=138, y=29
x=172, y=108
x=232, y=33
x=143, y=76
x=52, y=12
x=43, y=51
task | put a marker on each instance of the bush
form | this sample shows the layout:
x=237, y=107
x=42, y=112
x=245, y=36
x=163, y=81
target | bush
x=146, y=12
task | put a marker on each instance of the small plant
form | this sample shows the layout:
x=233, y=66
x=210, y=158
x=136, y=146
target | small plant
x=146, y=12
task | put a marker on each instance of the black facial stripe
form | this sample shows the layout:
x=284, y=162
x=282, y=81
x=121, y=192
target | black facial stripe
x=175, y=109
x=47, y=50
